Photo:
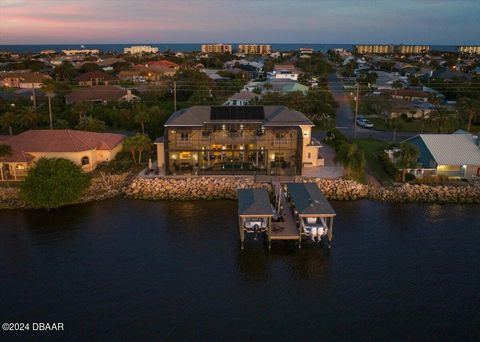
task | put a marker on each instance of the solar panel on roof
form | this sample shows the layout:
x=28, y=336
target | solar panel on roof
x=237, y=113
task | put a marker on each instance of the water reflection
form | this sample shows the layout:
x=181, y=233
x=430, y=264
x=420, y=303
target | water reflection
x=284, y=260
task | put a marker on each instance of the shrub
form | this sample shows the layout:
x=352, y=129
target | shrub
x=53, y=182
x=410, y=177
x=387, y=164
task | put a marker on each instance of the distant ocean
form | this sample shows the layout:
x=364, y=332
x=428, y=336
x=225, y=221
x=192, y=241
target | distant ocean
x=118, y=48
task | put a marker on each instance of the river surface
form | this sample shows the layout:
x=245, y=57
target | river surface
x=174, y=271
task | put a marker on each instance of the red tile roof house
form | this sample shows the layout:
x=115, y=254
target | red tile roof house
x=86, y=149
x=100, y=94
x=23, y=79
x=164, y=63
x=92, y=78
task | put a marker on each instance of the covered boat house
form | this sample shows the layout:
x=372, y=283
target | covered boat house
x=312, y=211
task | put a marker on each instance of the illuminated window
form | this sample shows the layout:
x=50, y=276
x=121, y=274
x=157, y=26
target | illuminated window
x=185, y=155
x=20, y=167
x=184, y=136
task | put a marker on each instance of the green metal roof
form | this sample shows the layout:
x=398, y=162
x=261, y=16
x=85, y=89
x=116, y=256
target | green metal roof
x=254, y=202
x=309, y=199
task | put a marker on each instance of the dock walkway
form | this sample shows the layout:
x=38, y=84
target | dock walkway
x=286, y=230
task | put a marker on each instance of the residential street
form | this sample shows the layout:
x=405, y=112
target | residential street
x=345, y=116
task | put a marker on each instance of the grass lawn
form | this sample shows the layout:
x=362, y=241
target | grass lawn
x=373, y=148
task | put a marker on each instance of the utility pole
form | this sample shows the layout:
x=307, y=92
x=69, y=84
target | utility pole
x=356, y=112
x=174, y=96
x=34, y=98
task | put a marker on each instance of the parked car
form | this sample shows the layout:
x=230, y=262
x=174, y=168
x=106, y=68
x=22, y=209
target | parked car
x=365, y=123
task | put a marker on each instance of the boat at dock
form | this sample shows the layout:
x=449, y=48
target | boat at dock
x=300, y=211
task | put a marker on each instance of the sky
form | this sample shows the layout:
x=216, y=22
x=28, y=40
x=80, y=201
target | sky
x=435, y=22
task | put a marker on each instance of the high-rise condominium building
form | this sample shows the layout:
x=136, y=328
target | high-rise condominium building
x=140, y=49
x=216, y=48
x=255, y=49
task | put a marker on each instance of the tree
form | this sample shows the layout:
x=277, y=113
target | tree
x=443, y=118
x=29, y=118
x=7, y=121
x=397, y=85
x=142, y=143
x=49, y=89
x=141, y=118
x=352, y=158
x=138, y=143
x=408, y=157
x=472, y=108
x=53, y=182
x=129, y=145
x=80, y=109
x=394, y=124
x=5, y=150
x=91, y=124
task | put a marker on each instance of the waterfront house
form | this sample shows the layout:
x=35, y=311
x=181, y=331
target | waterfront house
x=238, y=139
x=452, y=155
x=86, y=149
x=94, y=78
x=23, y=79
x=100, y=94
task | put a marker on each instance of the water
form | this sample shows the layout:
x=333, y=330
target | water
x=173, y=271
x=118, y=48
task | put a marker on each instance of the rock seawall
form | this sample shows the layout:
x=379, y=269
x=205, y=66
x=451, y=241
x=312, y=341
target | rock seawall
x=205, y=188
x=190, y=188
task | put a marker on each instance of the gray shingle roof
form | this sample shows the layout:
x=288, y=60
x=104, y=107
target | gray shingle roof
x=309, y=199
x=274, y=116
x=254, y=202
x=452, y=149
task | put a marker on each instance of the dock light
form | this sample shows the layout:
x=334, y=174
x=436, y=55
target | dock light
x=241, y=147
x=224, y=127
x=224, y=147
x=241, y=126
x=272, y=156
x=174, y=156
x=173, y=132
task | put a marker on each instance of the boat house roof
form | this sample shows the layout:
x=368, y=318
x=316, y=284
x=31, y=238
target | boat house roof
x=309, y=200
x=254, y=202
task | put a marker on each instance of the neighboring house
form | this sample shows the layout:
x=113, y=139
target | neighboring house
x=385, y=80
x=242, y=98
x=164, y=63
x=284, y=71
x=239, y=140
x=452, y=155
x=450, y=75
x=276, y=85
x=23, y=79
x=100, y=94
x=145, y=73
x=411, y=95
x=411, y=109
x=86, y=149
x=93, y=78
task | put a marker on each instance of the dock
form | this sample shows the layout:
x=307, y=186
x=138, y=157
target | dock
x=300, y=211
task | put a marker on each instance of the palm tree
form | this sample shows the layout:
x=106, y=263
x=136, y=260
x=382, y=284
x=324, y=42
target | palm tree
x=29, y=118
x=49, y=89
x=394, y=124
x=142, y=143
x=80, y=109
x=91, y=124
x=129, y=145
x=351, y=157
x=7, y=121
x=142, y=117
x=472, y=108
x=443, y=117
x=408, y=157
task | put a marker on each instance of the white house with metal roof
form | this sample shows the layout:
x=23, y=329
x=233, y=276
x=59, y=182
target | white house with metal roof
x=452, y=155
